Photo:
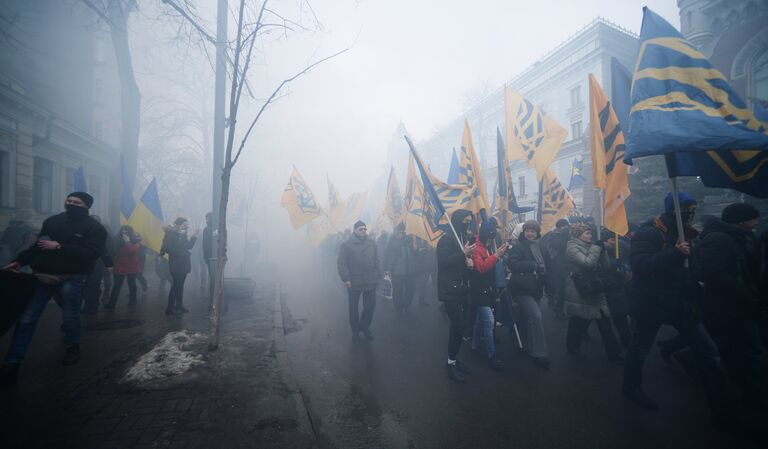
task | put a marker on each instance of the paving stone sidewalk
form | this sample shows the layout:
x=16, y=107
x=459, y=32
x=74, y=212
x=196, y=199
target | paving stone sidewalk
x=240, y=396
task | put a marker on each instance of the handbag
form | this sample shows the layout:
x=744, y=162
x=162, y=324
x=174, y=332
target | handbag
x=595, y=282
x=384, y=288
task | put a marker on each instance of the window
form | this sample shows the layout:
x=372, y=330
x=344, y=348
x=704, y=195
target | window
x=6, y=197
x=521, y=186
x=69, y=181
x=42, y=192
x=576, y=97
x=94, y=188
x=576, y=130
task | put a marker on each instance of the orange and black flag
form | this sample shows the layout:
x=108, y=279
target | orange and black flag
x=608, y=168
x=556, y=201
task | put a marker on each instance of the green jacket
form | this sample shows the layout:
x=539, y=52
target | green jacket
x=583, y=256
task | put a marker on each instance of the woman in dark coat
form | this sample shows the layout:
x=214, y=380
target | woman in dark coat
x=528, y=262
x=177, y=246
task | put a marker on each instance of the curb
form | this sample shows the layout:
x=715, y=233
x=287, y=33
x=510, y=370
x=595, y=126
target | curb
x=281, y=354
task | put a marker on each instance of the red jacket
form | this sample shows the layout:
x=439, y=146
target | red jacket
x=483, y=259
x=481, y=291
x=127, y=259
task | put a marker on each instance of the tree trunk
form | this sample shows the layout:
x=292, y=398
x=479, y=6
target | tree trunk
x=221, y=244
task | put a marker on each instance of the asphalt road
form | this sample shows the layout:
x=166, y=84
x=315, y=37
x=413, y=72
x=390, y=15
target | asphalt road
x=393, y=392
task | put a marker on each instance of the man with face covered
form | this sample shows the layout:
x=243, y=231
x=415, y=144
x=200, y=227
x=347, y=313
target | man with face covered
x=454, y=265
x=664, y=291
x=62, y=258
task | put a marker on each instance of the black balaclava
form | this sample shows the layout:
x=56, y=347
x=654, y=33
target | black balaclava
x=457, y=220
x=77, y=212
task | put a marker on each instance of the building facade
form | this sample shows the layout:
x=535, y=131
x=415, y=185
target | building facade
x=55, y=69
x=558, y=83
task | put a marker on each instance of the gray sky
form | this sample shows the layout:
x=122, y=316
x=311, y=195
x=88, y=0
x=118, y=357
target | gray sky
x=413, y=61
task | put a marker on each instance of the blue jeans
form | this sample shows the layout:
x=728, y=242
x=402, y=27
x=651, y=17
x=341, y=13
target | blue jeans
x=68, y=295
x=484, y=323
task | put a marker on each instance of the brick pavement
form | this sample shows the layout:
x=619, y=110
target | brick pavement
x=242, y=396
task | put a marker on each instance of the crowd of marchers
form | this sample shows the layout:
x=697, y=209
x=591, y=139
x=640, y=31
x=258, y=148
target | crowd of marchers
x=711, y=285
x=75, y=260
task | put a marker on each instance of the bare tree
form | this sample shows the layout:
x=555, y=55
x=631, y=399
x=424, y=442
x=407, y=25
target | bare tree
x=252, y=23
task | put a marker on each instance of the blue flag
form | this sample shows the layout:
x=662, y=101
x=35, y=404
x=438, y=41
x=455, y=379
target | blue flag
x=127, y=203
x=433, y=207
x=147, y=218
x=685, y=109
x=78, y=181
x=577, y=179
x=453, y=172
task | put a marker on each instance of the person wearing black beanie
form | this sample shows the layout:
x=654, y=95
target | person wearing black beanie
x=61, y=259
x=731, y=304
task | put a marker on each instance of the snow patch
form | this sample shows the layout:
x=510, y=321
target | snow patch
x=170, y=357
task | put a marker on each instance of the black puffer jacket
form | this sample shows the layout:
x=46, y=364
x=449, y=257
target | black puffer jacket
x=177, y=246
x=663, y=290
x=452, y=271
x=527, y=278
x=82, y=242
x=358, y=263
x=725, y=270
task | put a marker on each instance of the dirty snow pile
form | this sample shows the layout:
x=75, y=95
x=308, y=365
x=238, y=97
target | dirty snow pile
x=170, y=357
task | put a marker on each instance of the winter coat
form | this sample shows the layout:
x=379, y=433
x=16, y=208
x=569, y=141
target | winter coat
x=177, y=246
x=127, y=260
x=583, y=256
x=452, y=271
x=423, y=258
x=107, y=256
x=663, y=290
x=82, y=242
x=358, y=263
x=399, y=256
x=527, y=278
x=729, y=295
x=483, y=276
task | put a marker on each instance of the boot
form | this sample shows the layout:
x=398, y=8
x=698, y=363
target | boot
x=72, y=355
x=495, y=363
x=455, y=374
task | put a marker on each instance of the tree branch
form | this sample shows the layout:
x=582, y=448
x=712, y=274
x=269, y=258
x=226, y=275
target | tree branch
x=272, y=97
x=206, y=35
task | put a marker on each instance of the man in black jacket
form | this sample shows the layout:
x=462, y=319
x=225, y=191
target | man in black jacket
x=61, y=258
x=358, y=265
x=731, y=305
x=454, y=264
x=664, y=291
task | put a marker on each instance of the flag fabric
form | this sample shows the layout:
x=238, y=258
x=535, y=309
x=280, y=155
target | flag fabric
x=393, y=206
x=470, y=172
x=299, y=201
x=577, y=179
x=147, y=218
x=556, y=202
x=318, y=230
x=127, y=203
x=682, y=104
x=335, y=211
x=334, y=198
x=453, y=171
x=530, y=135
x=351, y=210
x=608, y=169
x=621, y=88
x=505, y=207
x=78, y=180
x=420, y=220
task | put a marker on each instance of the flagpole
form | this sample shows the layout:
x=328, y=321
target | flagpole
x=541, y=201
x=601, y=209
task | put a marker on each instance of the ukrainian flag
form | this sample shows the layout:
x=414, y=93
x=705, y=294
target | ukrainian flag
x=78, y=180
x=683, y=106
x=147, y=218
x=127, y=203
x=506, y=208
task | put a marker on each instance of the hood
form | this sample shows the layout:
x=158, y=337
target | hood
x=713, y=224
x=458, y=216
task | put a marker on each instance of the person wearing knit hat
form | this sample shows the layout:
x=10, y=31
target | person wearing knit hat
x=731, y=289
x=529, y=262
x=578, y=229
x=358, y=267
x=61, y=259
x=662, y=292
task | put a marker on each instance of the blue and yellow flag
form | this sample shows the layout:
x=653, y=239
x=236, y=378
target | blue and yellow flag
x=470, y=172
x=127, y=203
x=556, y=202
x=682, y=104
x=453, y=171
x=421, y=217
x=505, y=207
x=530, y=134
x=608, y=169
x=334, y=198
x=577, y=179
x=147, y=218
x=299, y=201
x=393, y=203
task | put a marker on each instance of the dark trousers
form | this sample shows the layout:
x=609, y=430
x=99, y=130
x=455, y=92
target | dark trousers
x=107, y=286
x=92, y=288
x=705, y=352
x=176, y=294
x=458, y=314
x=577, y=327
x=743, y=351
x=356, y=321
x=618, y=304
x=118, y=285
x=402, y=291
x=211, y=266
